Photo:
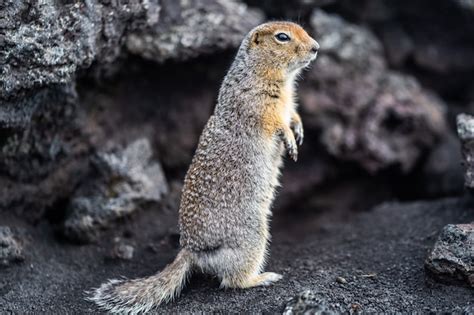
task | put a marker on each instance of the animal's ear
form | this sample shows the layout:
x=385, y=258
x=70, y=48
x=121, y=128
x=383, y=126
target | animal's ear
x=256, y=38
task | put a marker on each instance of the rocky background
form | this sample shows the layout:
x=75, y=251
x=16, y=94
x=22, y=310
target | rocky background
x=101, y=106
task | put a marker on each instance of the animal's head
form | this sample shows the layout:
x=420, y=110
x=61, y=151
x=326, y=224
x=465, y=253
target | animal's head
x=284, y=45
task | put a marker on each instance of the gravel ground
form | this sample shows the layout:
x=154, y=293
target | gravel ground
x=378, y=253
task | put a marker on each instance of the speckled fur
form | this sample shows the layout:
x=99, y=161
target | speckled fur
x=230, y=185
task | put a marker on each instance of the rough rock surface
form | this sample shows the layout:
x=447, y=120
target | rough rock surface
x=187, y=29
x=452, y=258
x=38, y=131
x=11, y=249
x=380, y=253
x=47, y=42
x=43, y=149
x=308, y=302
x=465, y=125
x=126, y=181
x=366, y=112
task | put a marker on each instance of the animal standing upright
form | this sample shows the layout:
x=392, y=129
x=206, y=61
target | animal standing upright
x=230, y=186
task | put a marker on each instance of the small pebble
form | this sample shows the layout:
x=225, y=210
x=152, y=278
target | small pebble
x=341, y=280
x=356, y=307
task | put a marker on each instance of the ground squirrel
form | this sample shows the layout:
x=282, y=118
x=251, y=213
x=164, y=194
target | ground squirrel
x=230, y=185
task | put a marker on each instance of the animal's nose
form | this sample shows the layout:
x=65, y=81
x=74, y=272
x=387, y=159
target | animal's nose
x=315, y=47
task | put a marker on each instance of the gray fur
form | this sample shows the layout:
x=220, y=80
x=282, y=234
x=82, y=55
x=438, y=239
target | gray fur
x=230, y=185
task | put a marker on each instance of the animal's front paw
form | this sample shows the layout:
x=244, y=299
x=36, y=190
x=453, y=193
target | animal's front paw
x=291, y=147
x=297, y=128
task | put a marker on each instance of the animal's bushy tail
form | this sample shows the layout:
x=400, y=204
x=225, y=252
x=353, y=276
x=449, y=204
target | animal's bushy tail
x=141, y=295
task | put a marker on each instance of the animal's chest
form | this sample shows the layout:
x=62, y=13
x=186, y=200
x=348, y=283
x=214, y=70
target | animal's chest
x=271, y=153
x=287, y=105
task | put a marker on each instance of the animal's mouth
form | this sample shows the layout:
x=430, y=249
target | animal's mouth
x=303, y=62
x=313, y=56
x=308, y=60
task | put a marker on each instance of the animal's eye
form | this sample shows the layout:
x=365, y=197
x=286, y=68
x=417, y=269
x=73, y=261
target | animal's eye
x=282, y=37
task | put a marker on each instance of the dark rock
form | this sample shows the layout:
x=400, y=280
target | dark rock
x=48, y=42
x=43, y=149
x=341, y=280
x=465, y=125
x=18, y=114
x=296, y=10
x=440, y=46
x=308, y=303
x=126, y=181
x=397, y=43
x=11, y=249
x=316, y=170
x=171, y=104
x=444, y=51
x=367, y=113
x=172, y=199
x=467, y=4
x=452, y=258
x=468, y=310
x=187, y=29
x=442, y=172
x=38, y=130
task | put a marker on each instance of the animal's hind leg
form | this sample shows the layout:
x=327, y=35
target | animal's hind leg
x=247, y=273
x=252, y=280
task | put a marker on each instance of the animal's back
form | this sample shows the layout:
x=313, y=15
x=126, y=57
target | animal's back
x=229, y=179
